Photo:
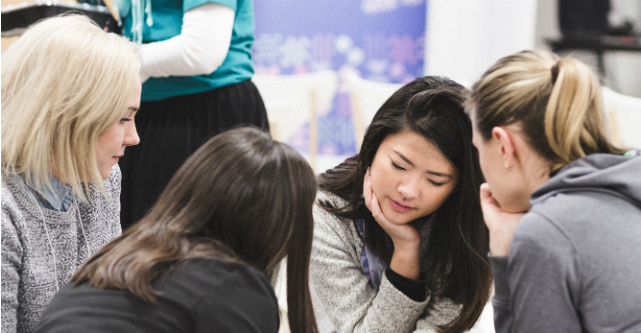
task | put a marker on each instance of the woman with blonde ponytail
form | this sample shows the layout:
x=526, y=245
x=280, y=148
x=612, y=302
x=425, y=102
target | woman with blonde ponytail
x=562, y=204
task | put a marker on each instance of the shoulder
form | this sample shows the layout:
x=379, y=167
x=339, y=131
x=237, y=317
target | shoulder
x=237, y=293
x=8, y=198
x=328, y=196
x=575, y=217
x=336, y=240
x=538, y=237
x=219, y=274
x=11, y=191
x=11, y=208
x=327, y=222
x=536, y=227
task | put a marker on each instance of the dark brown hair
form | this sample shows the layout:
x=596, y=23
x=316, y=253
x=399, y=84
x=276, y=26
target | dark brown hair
x=458, y=245
x=242, y=197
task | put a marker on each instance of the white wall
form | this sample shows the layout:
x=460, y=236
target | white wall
x=465, y=37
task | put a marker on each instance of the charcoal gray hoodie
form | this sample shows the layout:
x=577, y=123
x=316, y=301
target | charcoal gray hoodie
x=575, y=260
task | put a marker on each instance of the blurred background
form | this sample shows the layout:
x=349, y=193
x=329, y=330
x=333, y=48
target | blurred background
x=373, y=46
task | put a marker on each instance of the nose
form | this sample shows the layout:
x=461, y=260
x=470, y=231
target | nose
x=131, y=135
x=409, y=188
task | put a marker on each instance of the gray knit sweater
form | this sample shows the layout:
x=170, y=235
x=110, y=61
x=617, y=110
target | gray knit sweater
x=342, y=289
x=28, y=273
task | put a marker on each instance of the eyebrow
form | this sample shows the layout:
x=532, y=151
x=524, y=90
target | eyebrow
x=440, y=174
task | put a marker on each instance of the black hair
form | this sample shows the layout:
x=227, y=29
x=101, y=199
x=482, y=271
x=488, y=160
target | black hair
x=456, y=252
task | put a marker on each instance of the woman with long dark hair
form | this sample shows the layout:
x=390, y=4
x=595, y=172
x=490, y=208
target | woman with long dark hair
x=399, y=239
x=202, y=259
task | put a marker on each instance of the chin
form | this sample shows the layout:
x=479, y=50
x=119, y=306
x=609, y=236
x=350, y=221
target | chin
x=515, y=207
x=105, y=175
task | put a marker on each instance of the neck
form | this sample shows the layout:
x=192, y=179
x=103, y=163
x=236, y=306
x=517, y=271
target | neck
x=536, y=172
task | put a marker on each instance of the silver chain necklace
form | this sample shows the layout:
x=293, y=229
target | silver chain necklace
x=53, y=252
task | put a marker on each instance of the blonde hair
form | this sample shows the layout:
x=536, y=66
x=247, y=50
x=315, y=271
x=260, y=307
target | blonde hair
x=64, y=82
x=557, y=102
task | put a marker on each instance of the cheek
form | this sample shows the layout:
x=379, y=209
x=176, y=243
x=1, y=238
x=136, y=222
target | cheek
x=381, y=177
x=483, y=161
x=437, y=198
x=110, y=140
x=488, y=164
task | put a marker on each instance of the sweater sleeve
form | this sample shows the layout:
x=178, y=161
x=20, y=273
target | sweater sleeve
x=11, y=267
x=501, y=299
x=200, y=48
x=542, y=287
x=343, y=289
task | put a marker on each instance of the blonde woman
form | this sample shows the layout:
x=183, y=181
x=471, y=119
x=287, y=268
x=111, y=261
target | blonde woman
x=563, y=205
x=69, y=95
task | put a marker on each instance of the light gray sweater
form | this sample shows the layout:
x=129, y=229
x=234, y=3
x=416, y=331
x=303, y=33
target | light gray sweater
x=342, y=289
x=575, y=259
x=28, y=273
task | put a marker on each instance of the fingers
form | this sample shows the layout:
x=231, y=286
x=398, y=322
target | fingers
x=486, y=196
x=375, y=208
x=371, y=201
x=367, y=190
x=485, y=190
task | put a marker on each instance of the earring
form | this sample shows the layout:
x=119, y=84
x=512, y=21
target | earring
x=507, y=165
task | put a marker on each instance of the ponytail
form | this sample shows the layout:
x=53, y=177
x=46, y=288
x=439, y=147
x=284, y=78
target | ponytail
x=574, y=114
x=558, y=103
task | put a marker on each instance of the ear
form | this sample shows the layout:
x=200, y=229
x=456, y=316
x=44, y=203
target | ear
x=506, y=145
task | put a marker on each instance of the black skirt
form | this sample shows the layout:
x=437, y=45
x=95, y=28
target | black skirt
x=171, y=130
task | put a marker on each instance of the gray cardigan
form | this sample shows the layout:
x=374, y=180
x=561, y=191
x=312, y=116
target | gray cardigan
x=342, y=289
x=28, y=274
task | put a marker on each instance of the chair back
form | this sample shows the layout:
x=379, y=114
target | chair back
x=293, y=100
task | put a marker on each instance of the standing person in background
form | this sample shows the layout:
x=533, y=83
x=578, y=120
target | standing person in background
x=202, y=259
x=69, y=95
x=196, y=71
x=563, y=205
x=399, y=239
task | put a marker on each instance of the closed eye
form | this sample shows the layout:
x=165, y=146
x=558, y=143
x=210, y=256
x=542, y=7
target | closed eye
x=123, y=120
x=436, y=183
x=398, y=167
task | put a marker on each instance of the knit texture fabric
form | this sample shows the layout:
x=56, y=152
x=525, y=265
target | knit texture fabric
x=30, y=267
x=343, y=290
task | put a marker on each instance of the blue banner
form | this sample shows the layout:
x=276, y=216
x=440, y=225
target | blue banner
x=383, y=40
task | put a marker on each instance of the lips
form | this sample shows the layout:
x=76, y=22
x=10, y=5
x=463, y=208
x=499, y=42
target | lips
x=400, y=207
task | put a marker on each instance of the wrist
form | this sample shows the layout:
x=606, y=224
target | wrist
x=406, y=262
x=500, y=244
